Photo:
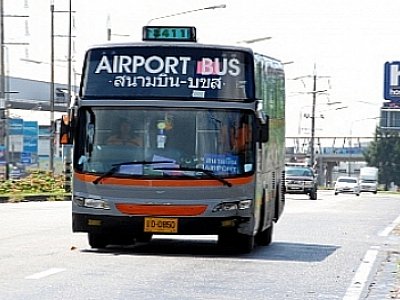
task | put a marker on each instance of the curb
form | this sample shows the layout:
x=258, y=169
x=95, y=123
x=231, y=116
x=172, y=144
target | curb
x=33, y=198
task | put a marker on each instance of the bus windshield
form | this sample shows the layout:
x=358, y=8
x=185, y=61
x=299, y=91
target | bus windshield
x=165, y=142
x=148, y=72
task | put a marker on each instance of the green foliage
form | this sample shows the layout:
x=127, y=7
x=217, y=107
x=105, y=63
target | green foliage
x=384, y=153
x=37, y=182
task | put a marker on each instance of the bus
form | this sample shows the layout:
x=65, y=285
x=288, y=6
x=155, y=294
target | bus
x=204, y=145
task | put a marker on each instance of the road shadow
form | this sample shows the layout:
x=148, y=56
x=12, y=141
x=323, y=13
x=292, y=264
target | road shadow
x=277, y=251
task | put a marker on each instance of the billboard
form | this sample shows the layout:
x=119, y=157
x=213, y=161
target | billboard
x=392, y=81
x=30, y=142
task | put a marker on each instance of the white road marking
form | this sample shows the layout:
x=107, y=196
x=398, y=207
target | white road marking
x=360, y=278
x=46, y=273
x=389, y=229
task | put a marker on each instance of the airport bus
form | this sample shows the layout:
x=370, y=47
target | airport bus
x=204, y=145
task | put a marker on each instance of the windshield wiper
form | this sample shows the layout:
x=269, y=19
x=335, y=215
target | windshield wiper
x=115, y=167
x=209, y=173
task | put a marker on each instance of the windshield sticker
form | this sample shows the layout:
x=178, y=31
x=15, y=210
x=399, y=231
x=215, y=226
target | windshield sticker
x=221, y=163
x=131, y=169
x=198, y=94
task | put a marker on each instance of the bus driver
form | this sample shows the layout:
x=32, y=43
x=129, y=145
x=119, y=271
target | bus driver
x=124, y=136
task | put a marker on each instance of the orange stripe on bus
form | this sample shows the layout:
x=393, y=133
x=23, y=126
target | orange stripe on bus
x=162, y=182
x=161, y=210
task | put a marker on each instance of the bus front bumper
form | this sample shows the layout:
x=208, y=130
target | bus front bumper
x=135, y=225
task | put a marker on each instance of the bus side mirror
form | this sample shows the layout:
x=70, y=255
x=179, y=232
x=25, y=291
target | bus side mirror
x=65, y=131
x=263, y=131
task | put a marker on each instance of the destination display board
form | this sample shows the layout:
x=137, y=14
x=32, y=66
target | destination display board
x=168, y=72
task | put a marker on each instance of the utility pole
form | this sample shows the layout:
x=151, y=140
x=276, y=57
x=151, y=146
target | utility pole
x=51, y=149
x=70, y=52
x=314, y=102
x=3, y=104
x=5, y=139
x=314, y=93
x=69, y=83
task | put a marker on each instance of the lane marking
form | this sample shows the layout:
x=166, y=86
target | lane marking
x=389, y=229
x=46, y=273
x=360, y=278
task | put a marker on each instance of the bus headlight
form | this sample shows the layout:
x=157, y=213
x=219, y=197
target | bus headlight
x=234, y=205
x=91, y=203
x=96, y=203
x=244, y=204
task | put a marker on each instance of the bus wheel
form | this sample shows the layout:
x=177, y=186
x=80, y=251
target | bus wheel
x=244, y=243
x=236, y=242
x=225, y=239
x=97, y=240
x=313, y=195
x=264, y=238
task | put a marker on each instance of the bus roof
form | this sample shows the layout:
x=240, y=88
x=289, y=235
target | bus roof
x=180, y=44
x=170, y=44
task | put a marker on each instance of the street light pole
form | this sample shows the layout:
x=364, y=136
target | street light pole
x=187, y=12
x=256, y=40
x=108, y=28
x=110, y=32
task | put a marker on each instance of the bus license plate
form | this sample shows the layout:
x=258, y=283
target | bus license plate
x=161, y=225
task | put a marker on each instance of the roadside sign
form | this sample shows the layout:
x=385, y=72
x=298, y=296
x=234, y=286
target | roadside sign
x=26, y=158
x=392, y=81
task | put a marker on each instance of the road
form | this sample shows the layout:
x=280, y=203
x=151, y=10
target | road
x=331, y=248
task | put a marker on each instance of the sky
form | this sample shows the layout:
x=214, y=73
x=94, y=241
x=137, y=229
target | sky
x=345, y=42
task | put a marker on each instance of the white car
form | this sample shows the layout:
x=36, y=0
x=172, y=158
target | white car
x=347, y=185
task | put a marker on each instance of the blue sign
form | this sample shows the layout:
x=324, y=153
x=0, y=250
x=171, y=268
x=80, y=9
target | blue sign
x=392, y=81
x=15, y=126
x=31, y=139
x=26, y=158
x=2, y=155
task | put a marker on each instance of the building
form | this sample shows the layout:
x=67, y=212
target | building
x=390, y=116
x=25, y=131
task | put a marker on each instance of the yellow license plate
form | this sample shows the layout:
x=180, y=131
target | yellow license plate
x=161, y=225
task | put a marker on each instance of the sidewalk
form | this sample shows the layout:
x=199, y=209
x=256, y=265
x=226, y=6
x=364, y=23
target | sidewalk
x=386, y=282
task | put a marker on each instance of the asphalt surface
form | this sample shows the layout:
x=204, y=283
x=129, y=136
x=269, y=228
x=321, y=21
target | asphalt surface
x=385, y=281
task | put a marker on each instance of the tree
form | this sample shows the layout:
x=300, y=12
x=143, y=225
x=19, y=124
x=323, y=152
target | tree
x=384, y=153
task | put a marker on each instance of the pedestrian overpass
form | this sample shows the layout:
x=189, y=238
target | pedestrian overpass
x=330, y=152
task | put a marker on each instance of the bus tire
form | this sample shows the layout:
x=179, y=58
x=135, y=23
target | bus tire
x=236, y=242
x=97, y=240
x=244, y=243
x=264, y=238
x=226, y=239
